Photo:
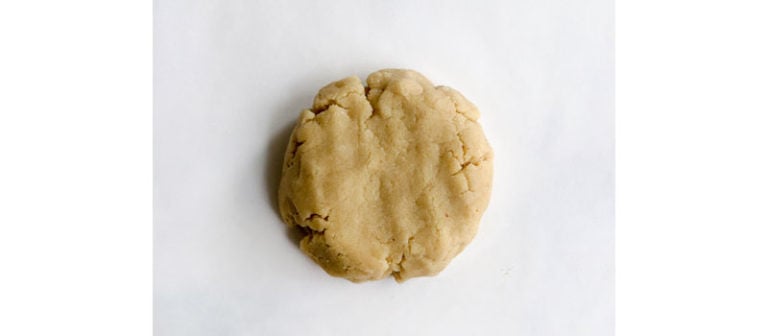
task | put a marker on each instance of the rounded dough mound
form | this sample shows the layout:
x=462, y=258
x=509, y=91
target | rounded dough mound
x=386, y=179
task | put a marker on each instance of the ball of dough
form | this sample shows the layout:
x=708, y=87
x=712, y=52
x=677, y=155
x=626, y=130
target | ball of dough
x=388, y=179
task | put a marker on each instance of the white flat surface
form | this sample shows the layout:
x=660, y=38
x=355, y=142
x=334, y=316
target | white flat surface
x=231, y=78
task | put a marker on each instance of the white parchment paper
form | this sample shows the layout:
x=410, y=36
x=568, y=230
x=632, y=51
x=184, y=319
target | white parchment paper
x=232, y=76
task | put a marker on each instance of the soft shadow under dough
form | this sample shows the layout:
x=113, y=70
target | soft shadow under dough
x=273, y=172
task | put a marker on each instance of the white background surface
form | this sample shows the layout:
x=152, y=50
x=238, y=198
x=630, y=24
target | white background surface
x=76, y=241
x=231, y=78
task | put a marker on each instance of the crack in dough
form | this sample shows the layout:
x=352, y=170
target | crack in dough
x=402, y=164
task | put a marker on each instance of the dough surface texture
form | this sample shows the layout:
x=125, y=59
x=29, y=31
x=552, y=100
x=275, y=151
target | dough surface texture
x=386, y=179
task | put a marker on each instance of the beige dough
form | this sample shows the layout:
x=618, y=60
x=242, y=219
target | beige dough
x=386, y=179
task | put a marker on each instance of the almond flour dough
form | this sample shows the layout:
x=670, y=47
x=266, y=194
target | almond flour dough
x=386, y=179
